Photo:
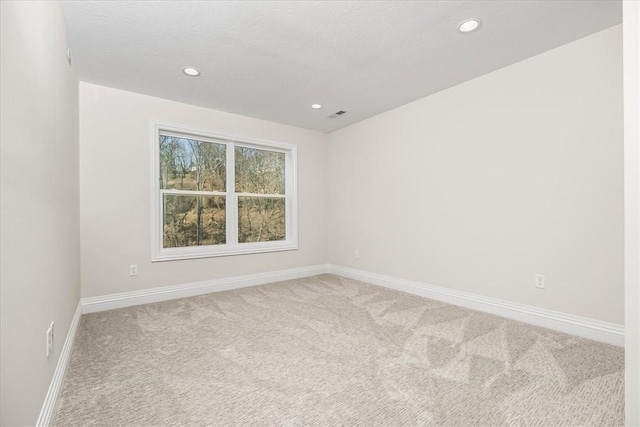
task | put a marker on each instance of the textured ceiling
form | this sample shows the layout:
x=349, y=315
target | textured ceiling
x=273, y=59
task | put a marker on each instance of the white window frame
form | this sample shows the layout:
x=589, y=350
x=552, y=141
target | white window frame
x=232, y=246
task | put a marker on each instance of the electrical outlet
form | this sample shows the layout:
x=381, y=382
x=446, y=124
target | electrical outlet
x=50, y=339
x=539, y=281
x=133, y=270
x=356, y=254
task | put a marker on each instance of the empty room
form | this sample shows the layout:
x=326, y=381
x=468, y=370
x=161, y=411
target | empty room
x=320, y=213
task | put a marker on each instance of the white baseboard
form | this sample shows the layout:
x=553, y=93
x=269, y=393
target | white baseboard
x=58, y=376
x=575, y=325
x=128, y=299
x=609, y=333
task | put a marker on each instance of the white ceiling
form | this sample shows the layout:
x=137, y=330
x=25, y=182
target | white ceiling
x=273, y=59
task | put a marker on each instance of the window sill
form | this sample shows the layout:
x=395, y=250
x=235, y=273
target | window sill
x=175, y=254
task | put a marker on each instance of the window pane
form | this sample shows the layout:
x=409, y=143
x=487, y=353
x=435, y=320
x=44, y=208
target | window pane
x=193, y=220
x=261, y=219
x=189, y=164
x=259, y=171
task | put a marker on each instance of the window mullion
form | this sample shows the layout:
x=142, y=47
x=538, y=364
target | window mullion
x=173, y=192
x=265, y=196
x=232, y=200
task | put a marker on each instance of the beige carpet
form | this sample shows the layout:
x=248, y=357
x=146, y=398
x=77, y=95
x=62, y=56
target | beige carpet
x=327, y=351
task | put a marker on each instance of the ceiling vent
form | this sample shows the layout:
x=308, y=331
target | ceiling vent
x=337, y=114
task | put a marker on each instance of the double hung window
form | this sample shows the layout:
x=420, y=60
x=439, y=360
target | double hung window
x=216, y=195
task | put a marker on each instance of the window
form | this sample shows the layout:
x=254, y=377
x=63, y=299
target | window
x=216, y=195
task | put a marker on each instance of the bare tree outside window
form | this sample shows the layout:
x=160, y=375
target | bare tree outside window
x=189, y=167
x=260, y=182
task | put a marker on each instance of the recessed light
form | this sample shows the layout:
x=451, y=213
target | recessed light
x=316, y=106
x=469, y=25
x=191, y=72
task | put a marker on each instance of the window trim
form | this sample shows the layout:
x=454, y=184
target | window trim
x=228, y=249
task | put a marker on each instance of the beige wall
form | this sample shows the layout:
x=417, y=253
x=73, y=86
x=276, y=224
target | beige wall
x=39, y=239
x=115, y=159
x=481, y=186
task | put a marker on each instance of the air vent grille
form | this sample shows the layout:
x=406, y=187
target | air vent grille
x=337, y=114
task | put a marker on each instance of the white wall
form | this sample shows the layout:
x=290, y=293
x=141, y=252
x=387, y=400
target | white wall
x=481, y=186
x=115, y=159
x=631, y=25
x=39, y=214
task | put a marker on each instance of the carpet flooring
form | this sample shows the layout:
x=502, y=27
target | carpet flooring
x=328, y=351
